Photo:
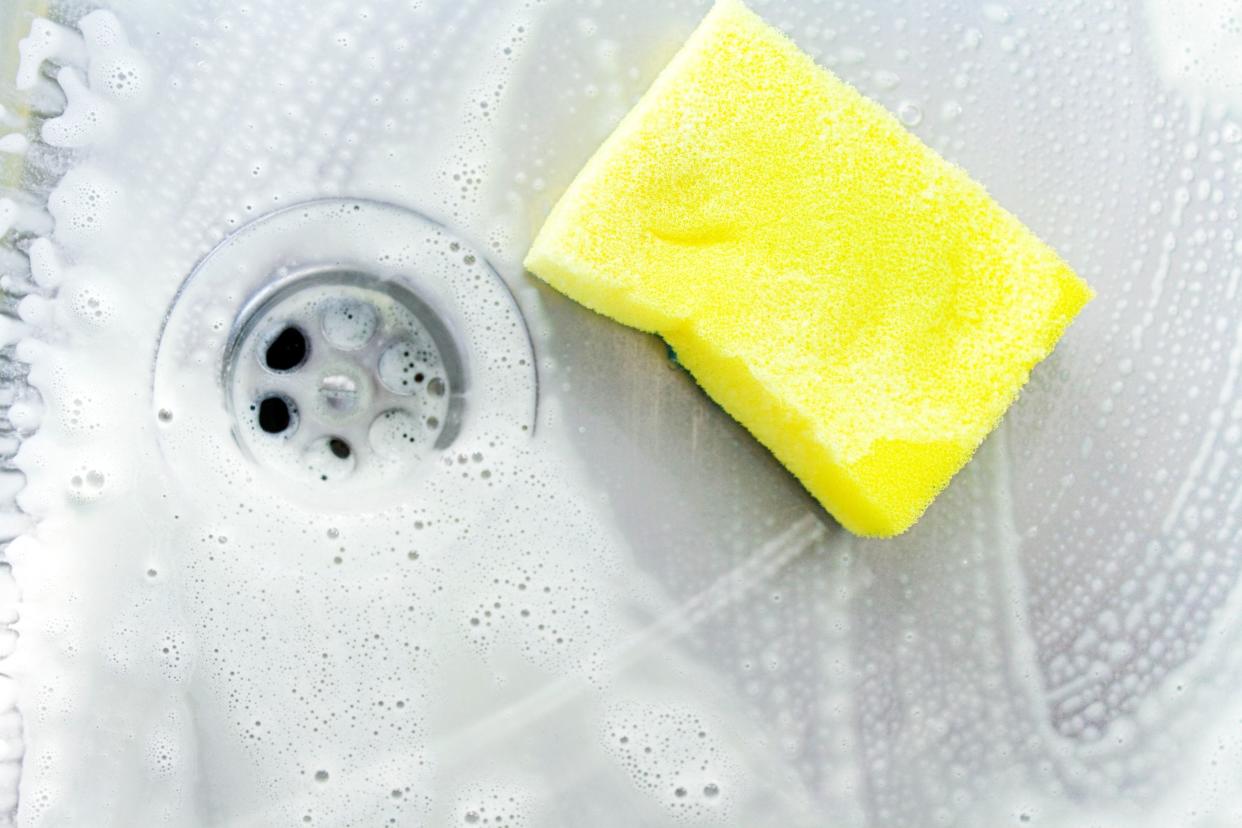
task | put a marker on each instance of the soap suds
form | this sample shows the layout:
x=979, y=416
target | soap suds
x=1196, y=46
x=1039, y=650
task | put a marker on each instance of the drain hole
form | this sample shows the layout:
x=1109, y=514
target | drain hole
x=329, y=459
x=275, y=416
x=287, y=351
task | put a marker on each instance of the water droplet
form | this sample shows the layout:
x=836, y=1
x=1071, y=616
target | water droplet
x=950, y=111
x=997, y=13
x=886, y=80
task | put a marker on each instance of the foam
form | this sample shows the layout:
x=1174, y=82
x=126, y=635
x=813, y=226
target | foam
x=47, y=41
x=22, y=217
x=14, y=143
x=87, y=119
x=1198, y=52
x=258, y=630
x=172, y=671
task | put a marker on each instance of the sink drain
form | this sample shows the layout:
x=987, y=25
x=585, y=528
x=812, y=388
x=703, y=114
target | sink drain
x=340, y=346
x=332, y=373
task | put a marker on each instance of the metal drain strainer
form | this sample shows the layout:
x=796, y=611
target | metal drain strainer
x=339, y=345
x=335, y=374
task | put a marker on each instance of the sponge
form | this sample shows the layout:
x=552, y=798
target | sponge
x=854, y=300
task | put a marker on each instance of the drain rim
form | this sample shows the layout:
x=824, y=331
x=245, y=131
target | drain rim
x=498, y=360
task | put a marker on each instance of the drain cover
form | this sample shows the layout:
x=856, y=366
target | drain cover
x=339, y=345
x=334, y=373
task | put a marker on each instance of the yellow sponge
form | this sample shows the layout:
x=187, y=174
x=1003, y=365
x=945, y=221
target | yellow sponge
x=853, y=299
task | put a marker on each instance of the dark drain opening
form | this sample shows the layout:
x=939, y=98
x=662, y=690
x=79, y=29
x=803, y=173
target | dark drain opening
x=339, y=448
x=287, y=351
x=274, y=415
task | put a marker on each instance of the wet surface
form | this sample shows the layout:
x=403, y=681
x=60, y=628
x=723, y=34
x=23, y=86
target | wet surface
x=627, y=612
